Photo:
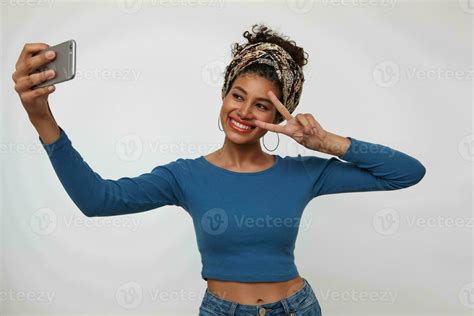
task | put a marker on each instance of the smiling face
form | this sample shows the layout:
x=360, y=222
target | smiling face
x=246, y=101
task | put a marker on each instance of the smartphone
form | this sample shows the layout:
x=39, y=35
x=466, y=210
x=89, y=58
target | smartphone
x=64, y=64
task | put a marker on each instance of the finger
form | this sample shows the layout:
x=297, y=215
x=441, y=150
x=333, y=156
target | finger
x=33, y=94
x=268, y=126
x=310, y=127
x=315, y=125
x=25, y=83
x=32, y=63
x=29, y=49
x=304, y=121
x=279, y=106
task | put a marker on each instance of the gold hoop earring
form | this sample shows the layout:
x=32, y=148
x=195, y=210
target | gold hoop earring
x=278, y=142
x=218, y=125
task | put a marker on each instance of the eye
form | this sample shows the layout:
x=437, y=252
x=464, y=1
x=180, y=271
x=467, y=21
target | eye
x=236, y=95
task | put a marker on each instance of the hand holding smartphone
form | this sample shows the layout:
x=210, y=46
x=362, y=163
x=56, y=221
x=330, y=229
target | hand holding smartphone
x=31, y=71
x=64, y=63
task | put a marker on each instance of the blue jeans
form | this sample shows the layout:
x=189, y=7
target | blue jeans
x=301, y=303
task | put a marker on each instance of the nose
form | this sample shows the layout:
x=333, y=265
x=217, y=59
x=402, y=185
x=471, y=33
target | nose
x=245, y=111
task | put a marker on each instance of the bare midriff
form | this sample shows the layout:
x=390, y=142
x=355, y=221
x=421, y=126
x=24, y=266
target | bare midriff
x=255, y=293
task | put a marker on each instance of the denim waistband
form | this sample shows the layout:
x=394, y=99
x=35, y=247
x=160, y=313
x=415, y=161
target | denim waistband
x=298, y=300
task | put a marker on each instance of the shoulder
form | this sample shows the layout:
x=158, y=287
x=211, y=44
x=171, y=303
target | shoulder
x=308, y=160
x=308, y=164
x=178, y=166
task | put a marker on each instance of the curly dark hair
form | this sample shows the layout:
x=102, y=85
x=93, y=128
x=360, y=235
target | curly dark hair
x=262, y=33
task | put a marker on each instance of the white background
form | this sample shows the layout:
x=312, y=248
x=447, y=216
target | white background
x=147, y=91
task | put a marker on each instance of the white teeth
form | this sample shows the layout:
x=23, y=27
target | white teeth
x=239, y=125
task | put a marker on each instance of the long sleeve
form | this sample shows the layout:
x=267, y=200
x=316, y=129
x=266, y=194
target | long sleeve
x=96, y=196
x=369, y=167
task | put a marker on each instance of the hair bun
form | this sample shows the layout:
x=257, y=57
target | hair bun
x=261, y=33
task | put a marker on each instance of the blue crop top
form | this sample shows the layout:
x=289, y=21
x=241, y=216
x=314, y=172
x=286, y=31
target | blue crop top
x=246, y=223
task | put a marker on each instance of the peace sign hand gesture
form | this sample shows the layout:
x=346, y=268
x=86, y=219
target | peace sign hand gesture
x=303, y=128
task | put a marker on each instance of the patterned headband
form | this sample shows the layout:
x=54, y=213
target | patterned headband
x=288, y=71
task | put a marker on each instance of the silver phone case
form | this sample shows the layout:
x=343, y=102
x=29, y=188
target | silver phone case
x=64, y=64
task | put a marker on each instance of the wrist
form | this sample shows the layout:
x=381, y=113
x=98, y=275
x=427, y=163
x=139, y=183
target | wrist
x=40, y=118
x=335, y=145
x=47, y=129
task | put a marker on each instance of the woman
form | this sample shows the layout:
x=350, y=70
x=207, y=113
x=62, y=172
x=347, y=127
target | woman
x=245, y=204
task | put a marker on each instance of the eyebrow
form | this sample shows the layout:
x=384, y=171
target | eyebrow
x=245, y=92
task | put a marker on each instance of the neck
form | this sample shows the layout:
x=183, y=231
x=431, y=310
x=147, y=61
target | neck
x=240, y=155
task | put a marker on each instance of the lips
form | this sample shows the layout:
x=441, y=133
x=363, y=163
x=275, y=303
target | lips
x=242, y=122
x=240, y=129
